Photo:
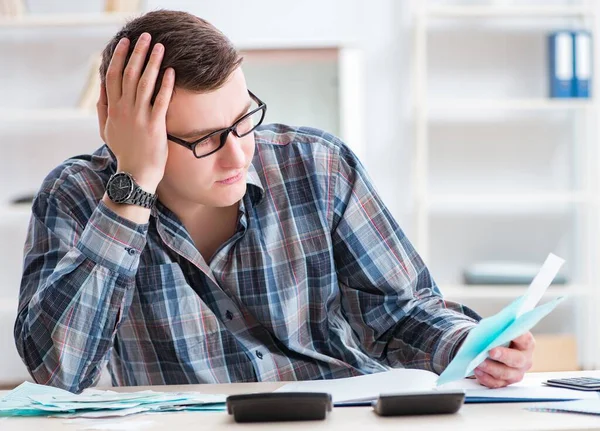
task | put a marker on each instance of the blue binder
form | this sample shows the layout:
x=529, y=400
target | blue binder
x=561, y=64
x=582, y=46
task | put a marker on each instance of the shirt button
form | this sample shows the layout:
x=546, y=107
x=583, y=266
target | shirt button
x=130, y=250
x=228, y=315
x=259, y=355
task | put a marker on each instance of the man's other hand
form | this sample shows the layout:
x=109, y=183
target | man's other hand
x=507, y=365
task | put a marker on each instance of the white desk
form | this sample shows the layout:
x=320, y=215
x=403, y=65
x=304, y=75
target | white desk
x=476, y=417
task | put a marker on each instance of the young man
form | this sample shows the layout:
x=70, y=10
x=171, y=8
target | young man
x=268, y=254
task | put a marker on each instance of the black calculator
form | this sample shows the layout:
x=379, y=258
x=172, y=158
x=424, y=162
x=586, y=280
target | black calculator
x=579, y=383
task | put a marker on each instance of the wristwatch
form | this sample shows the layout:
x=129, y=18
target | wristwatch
x=122, y=189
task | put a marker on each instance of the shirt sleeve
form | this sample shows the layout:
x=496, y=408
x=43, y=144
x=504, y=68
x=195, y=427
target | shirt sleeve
x=388, y=295
x=75, y=291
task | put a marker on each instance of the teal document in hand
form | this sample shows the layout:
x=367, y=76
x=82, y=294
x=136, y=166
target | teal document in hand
x=498, y=330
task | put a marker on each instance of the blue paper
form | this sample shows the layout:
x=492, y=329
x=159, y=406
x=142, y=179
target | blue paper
x=492, y=332
x=17, y=402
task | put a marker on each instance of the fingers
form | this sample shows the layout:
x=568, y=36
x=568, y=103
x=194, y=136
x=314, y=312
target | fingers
x=133, y=70
x=488, y=380
x=501, y=372
x=102, y=109
x=114, y=73
x=518, y=355
x=525, y=342
x=507, y=365
x=161, y=103
x=511, y=357
x=145, y=87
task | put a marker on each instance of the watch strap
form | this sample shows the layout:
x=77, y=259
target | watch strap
x=141, y=198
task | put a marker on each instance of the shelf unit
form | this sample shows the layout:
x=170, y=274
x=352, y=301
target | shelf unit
x=15, y=126
x=424, y=106
x=350, y=71
x=65, y=19
x=431, y=110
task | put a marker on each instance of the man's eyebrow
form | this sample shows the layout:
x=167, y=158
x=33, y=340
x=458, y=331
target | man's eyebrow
x=203, y=132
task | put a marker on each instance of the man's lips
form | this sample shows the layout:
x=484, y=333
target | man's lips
x=231, y=179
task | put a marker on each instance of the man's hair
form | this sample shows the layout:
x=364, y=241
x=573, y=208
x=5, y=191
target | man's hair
x=202, y=56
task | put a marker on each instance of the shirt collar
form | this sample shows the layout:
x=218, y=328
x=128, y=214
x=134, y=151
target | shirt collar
x=255, y=189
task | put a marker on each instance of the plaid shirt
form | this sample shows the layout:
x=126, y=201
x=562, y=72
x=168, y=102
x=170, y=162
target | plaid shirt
x=318, y=281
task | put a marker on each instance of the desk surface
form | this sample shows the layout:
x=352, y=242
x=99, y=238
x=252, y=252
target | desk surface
x=476, y=417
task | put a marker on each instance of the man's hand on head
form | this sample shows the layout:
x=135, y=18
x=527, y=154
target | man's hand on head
x=132, y=127
x=507, y=365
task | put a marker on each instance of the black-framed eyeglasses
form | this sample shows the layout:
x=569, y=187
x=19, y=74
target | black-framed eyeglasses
x=214, y=141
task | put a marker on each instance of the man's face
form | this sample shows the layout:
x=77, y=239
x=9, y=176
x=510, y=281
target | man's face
x=218, y=180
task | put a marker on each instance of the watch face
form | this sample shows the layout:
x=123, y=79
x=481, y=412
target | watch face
x=120, y=187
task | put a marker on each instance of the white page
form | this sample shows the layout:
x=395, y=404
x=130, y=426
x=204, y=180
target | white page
x=540, y=283
x=367, y=387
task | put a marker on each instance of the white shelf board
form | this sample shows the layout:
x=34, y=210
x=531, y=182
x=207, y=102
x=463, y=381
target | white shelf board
x=66, y=19
x=474, y=200
x=120, y=18
x=508, y=11
x=541, y=104
x=462, y=291
x=326, y=45
x=49, y=114
x=290, y=53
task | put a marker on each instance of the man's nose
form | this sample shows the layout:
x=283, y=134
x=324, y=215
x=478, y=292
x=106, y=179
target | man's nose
x=232, y=152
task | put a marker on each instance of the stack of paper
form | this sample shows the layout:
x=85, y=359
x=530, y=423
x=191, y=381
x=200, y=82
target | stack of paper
x=30, y=399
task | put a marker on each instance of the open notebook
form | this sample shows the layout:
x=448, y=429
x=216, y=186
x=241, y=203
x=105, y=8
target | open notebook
x=362, y=390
